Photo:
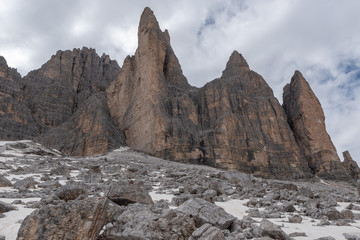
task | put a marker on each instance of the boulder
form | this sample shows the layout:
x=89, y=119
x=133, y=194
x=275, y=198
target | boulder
x=207, y=232
x=28, y=182
x=71, y=192
x=93, y=175
x=4, y=182
x=76, y=220
x=205, y=212
x=268, y=229
x=140, y=221
x=123, y=193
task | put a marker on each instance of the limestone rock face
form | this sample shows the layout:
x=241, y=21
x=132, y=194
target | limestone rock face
x=56, y=90
x=89, y=131
x=234, y=122
x=306, y=119
x=16, y=121
x=351, y=167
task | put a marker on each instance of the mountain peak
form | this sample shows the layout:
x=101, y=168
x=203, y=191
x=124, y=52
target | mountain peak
x=148, y=20
x=235, y=65
x=2, y=61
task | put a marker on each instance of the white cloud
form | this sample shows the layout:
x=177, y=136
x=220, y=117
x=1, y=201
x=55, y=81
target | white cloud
x=275, y=36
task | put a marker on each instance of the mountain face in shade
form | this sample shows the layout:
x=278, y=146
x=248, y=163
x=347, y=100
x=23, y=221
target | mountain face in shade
x=83, y=104
x=16, y=121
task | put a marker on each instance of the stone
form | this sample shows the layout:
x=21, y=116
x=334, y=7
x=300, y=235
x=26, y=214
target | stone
x=4, y=182
x=268, y=229
x=326, y=238
x=351, y=166
x=28, y=182
x=297, y=234
x=289, y=208
x=233, y=122
x=124, y=194
x=351, y=236
x=80, y=219
x=332, y=214
x=143, y=222
x=49, y=184
x=347, y=214
x=306, y=118
x=203, y=212
x=5, y=207
x=295, y=219
x=207, y=232
x=71, y=192
x=93, y=175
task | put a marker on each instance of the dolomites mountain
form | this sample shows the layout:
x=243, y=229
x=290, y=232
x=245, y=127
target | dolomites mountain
x=306, y=118
x=83, y=104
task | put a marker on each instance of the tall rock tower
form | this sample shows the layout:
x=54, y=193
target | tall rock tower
x=306, y=118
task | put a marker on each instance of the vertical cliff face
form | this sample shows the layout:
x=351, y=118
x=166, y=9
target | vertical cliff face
x=16, y=121
x=234, y=122
x=137, y=99
x=66, y=98
x=54, y=92
x=306, y=119
x=245, y=126
x=350, y=166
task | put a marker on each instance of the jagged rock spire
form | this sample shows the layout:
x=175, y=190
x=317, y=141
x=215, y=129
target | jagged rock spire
x=351, y=167
x=306, y=119
x=236, y=65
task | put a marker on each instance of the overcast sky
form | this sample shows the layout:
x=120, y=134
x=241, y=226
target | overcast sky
x=320, y=38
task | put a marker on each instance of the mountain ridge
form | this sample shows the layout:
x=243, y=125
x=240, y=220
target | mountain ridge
x=233, y=122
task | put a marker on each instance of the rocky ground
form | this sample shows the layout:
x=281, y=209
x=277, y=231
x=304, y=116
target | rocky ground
x=129, y=195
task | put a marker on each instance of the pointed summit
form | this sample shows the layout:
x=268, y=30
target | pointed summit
x=148, y=20
x=236, y=65
x=306, y=119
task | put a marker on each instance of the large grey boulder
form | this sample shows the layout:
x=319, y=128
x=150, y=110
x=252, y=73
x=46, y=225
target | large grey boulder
x=123, y=193
x=205, y=212
x=76, y=220
x=269, y=229
x=140, y=221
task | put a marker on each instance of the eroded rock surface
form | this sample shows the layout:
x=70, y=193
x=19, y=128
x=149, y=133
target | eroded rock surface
x=16, y=121
x=234, y=122
x=306, y=119
x=78, y=220
x=351, y=166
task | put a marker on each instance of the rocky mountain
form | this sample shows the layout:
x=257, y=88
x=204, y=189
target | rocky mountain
x=306, y=119
x=350, y=166
x=16, y=121
x=84, y=104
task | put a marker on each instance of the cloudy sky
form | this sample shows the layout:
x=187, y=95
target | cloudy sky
x=320, y=38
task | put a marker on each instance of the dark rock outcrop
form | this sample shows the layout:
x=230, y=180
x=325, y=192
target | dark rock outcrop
x=89, y=131
x=16, y=121
x=350, y=166
x=234, y=122
x=56, y=90
x=306, y=119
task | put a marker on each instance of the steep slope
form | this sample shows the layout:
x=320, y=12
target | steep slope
x=16, y=121
x=306, y=118
x=234, y=122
